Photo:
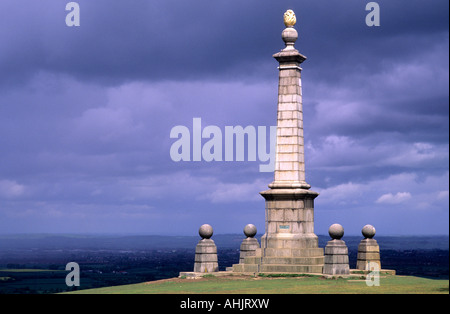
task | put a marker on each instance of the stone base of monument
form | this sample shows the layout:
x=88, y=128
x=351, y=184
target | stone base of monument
x=289, y=244
x=304, y=261
x=250, y=270
x=368, y=250
x=366, y=272
x=248, y=248
x=368, y=255
x=206, y=257
x=199, y=275
x=250, y=264
x=336, y=258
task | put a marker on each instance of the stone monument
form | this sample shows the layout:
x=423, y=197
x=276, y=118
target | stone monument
x=368, y=250
x=289, y=243
x=249, y=245
x=206, y=252
x=336, y=253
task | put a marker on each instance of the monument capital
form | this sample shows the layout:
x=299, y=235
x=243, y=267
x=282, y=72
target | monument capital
x=289, y=36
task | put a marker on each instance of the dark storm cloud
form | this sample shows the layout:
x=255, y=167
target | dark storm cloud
x=408, y=97
x=86, y=113
x=121, y=40
x=124, y=40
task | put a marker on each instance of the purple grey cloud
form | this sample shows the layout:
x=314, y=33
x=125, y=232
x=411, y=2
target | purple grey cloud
x=86, y=113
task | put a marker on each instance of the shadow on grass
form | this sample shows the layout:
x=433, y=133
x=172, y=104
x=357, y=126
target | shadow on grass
x=444, y=289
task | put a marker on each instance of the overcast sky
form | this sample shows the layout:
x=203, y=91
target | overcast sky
x=86, y=113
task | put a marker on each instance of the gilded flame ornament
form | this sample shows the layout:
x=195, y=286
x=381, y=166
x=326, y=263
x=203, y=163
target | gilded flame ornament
x=289, y=18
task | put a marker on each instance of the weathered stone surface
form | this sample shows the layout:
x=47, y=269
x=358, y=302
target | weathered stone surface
x=296, y=252
x=336, y=255
x=205, y=231
x=206, y=256
x=252, y=260
x=368, y=250
x=366, y=265
x=289, y=241
x=336, y=231
x=368, y=245
x=248, y=248
x=336, y=259
x=206, y=267
x=250, y=230
x=273, y=268
x=206, y=246
x=293, y=260
x=369, y=256
x=246, y=268
x=336, y=269
x=368, y=231
x=336, y=250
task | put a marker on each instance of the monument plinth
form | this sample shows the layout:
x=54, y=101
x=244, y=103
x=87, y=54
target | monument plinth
x=368, y=250
x=206, y=252
x=248, y=245
x=289, y=243
x=336, y=253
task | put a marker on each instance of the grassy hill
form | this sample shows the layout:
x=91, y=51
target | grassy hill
x=279, y=285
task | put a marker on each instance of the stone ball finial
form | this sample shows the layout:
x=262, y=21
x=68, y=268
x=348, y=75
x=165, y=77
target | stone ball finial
x=289, y=36
x=289, y=18
x=250, y=230
x=336, y=231
x=205, y=231
x=368, y=231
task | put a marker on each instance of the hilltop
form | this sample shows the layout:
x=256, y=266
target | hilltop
x=118, y=260
x=237, y=284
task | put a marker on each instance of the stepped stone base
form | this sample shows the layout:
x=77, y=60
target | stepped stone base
x=248, y=248
x=368, y=255
x=282, y=268
x=206, y=257
x=289, y=244
x=355, y=273
x=277, y=268
x=290, y=253
x=245, y=268
x=336, y=258
x=283, y=261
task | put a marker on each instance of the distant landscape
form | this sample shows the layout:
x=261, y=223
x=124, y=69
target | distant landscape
x=36, y=263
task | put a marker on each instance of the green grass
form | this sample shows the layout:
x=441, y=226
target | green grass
x=280, y=285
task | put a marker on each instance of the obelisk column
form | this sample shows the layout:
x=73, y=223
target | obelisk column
x=289, y=242
x=290, y=163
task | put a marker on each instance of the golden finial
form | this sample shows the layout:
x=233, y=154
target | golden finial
x=289, y=18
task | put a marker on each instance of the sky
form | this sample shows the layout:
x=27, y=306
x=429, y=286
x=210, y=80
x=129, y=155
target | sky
x=86, y=113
